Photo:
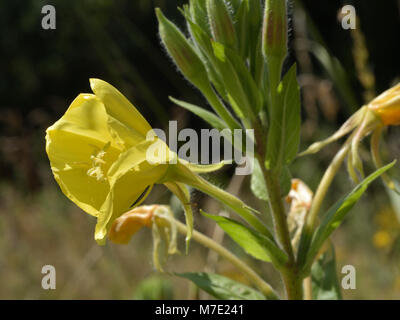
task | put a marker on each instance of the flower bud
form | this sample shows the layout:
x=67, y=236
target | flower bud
x=275, y=29
x=221, y=23
x=182, y=52
x=274, y=40
x=387, y=106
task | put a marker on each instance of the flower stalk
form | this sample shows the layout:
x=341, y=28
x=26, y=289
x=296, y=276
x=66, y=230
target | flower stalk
x=207, y=242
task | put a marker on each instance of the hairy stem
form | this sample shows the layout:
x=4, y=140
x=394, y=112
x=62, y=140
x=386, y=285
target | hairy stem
x=292, y=282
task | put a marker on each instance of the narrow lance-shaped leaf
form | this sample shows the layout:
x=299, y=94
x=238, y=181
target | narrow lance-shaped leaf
x=191, y=65
x=242, y=28
x=207, y=116
x=221, y=287
x=198, y=14
x=202, y=41
x=234, y=5
x=182, y=52
x=253, y=242
x=254, y=96
x=259, y=187
x=325, y=284
x=237, y=94
x=284, y=131
x=336, y=214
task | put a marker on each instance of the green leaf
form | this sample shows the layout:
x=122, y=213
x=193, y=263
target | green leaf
x=154, y=288
x=336, y=214
x=202, y=41
x=284, y=131
x=395, y=198
x=237, y=94
x=221, y=287
x=253, y=242
x=198, y=13
x=325, y=284
x=207, y=116
x=285, y=181
x=242, y=28
x=258, y=186
x=234, y=5
x=255, y=17
x=257, y=183
x=254, y=95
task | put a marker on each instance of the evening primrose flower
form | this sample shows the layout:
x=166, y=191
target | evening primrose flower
x=99, y=155
x=381, y=112
x=387, y=106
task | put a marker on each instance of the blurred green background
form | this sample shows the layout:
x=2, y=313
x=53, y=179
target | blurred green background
x=41, y=72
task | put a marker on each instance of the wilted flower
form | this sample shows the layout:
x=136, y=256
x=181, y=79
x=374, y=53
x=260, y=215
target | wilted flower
x=158, y=217
x=381, y=112
x=125, y=227
x=300, y=198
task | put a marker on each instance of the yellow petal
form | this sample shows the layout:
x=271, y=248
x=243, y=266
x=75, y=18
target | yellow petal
x=75, y=145
x=129, y=177
x=387, y=106
x=131, y=222
x=119, y=107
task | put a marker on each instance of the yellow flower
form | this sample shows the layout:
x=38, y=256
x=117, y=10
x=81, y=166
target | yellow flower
x=102, y=159
x=387, y=106
x=97, y=152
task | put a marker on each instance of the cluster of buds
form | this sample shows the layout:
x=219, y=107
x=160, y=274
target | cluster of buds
x=234, y=54
x=381, y=112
